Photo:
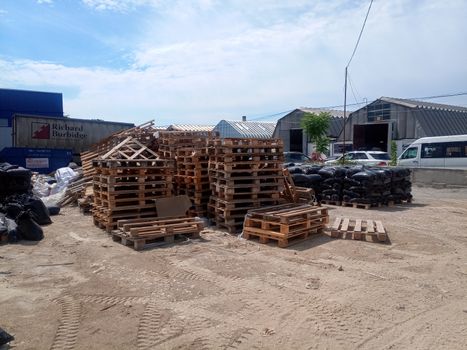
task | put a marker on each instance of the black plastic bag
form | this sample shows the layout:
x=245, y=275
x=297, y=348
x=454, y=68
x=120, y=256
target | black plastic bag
x=5, y=337
x=3, y=225
x=12, y=227
x=38, y=210
x=295, y=170
x=28, y=228
x=53, y=210
x=12, y=210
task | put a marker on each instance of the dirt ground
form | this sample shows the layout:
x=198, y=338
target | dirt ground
x=77, y=289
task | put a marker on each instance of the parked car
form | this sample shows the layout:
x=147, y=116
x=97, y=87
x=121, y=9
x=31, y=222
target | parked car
x=371, y=158
x=296, y=157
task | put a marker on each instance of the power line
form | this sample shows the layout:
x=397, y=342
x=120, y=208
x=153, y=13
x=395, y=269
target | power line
x=360, y=35
x=438, y=96
x=360, y=103
x=271, y=115
x=352, y=89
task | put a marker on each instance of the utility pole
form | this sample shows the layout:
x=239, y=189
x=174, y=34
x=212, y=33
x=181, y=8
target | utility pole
x=345, y=110
x=347, y=66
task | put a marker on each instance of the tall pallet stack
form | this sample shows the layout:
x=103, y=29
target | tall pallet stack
x=244, y=174
x=192, y=177
x=128, y=179
x=189, y=150
x=145, y=135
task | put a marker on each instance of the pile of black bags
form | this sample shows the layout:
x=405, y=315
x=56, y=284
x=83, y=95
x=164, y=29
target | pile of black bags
x=14, y=179
x=355, y=184
x=21, y=212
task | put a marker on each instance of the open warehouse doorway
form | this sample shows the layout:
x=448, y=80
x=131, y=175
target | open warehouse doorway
x=371, y=137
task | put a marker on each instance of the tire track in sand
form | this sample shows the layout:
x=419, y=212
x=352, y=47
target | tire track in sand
x=67, y=331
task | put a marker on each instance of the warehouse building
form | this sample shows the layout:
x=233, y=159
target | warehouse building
x=245, y=129
x=374, y=126
x=289, y=129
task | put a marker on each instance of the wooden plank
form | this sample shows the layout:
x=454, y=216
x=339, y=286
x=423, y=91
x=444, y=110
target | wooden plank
x=370, y=227
x=358, y=225
x=379, y=227
x=336, y=224
x=345, y=224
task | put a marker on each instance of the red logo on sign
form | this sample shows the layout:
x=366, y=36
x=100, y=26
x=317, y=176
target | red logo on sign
x=40, y=130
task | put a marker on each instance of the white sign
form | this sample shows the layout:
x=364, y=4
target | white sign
x=37, y=163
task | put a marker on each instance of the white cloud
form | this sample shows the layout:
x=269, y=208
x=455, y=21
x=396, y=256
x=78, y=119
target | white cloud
x=44, y=1
x=233, y=66
x=117, y=5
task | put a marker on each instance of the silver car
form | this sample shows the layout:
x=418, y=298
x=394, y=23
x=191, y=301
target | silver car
x=370, y=158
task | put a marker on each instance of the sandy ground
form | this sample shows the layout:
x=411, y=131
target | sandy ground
x=79, y=289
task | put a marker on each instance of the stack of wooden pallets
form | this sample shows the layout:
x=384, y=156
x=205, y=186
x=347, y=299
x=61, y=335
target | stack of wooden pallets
x=192, y=178
x=287, y=224
x=189, y=150
x=170, y=141
x=128, y=179
x=144, y=133
x=140, y=232
x=244, y=174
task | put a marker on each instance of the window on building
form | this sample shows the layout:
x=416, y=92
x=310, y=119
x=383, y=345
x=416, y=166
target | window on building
x=379, y=111
x=433, y=150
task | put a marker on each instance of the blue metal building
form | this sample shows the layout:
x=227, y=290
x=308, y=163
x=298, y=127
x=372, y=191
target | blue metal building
x=25, y=102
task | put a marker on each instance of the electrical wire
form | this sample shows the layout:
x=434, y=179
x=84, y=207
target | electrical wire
x=351, y=88
x=360, y=35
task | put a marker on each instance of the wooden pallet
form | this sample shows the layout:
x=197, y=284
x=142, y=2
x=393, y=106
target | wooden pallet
x=296, y=194
x=400, y=201
x=282, y=242
x=140, y=232
x=142, y=243
x=328, y=202
x=361, y=205
x=155, y=226
x=288, y=213
x=287, y=223
x=358, y=229
x=247, y=142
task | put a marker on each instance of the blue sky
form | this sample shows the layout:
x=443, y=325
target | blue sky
x=199, y=61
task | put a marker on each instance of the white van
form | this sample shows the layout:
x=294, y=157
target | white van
x=436, y=152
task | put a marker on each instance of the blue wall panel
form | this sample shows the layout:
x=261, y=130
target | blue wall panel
x=29, y=102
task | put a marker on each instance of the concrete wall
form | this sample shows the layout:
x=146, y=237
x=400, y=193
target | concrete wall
x=434, y=177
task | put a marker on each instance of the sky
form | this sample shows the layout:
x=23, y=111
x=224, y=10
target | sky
x=200, y=61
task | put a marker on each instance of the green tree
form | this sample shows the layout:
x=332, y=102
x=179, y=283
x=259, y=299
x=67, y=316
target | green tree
x=393, y=153
x=316, y=127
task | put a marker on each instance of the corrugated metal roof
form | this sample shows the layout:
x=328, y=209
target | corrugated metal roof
x=230, y=128
x=422, y=104
x=190, y=127
x=436, y=122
